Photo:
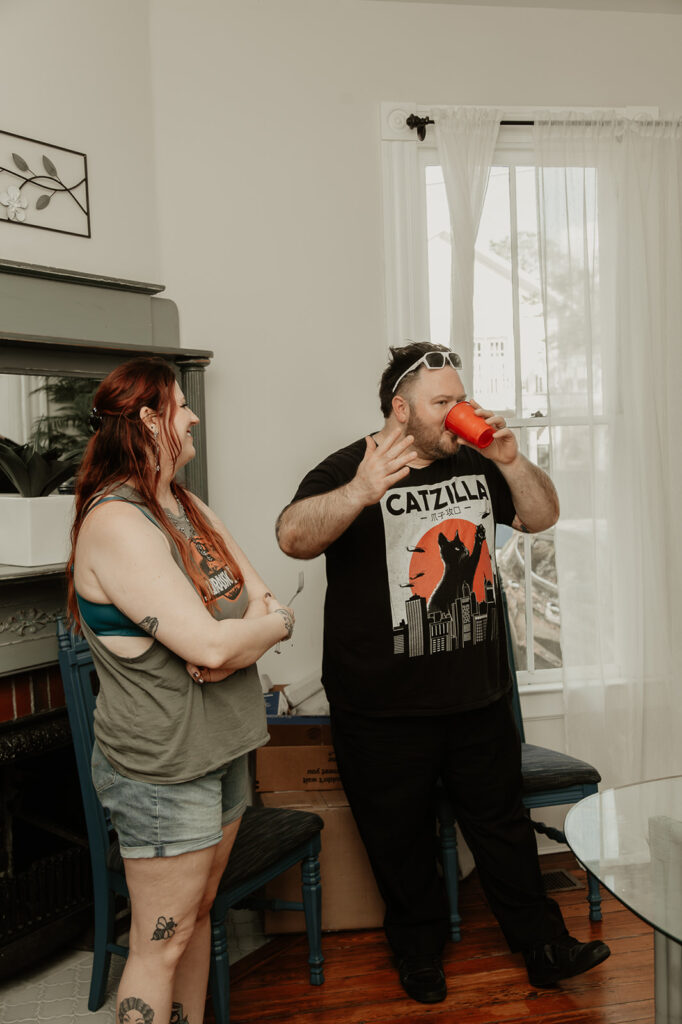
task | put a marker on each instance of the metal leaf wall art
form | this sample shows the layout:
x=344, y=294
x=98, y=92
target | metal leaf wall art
x=43, y=185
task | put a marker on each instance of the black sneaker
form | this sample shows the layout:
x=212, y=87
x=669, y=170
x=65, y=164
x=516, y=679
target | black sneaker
x=422, y=977
x=564, y=958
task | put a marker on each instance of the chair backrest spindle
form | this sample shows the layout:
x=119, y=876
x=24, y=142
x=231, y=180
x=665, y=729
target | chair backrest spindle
x=77, y=669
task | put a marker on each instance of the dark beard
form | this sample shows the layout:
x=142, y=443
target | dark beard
x=427, y=447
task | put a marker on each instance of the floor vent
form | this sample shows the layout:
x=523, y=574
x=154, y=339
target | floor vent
x=554, y=881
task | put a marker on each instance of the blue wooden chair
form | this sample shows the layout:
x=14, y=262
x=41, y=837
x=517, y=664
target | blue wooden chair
x=270, y=840
x=550, y=779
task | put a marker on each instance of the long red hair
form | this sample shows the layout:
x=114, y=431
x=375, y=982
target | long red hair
x=119, y=452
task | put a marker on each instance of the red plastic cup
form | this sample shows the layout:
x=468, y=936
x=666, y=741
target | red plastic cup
x=463, y=421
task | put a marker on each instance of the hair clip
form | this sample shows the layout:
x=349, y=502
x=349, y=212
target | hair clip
x=95, y=419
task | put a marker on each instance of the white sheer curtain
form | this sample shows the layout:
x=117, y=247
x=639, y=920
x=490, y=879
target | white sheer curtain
x=466, y=138
x=612, y=186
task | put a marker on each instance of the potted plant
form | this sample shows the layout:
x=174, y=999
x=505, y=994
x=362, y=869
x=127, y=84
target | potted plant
x=34, y=521
x=65, y=423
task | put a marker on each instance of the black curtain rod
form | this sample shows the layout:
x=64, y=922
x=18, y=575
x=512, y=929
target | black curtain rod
x=420, y=123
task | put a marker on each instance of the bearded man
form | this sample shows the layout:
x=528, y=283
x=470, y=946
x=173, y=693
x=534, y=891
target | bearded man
x=415, y=662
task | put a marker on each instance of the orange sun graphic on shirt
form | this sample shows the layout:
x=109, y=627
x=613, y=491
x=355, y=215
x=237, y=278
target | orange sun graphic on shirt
x=427, y=567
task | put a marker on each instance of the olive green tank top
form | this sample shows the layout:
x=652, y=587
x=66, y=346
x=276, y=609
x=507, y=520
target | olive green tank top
x=152, y=721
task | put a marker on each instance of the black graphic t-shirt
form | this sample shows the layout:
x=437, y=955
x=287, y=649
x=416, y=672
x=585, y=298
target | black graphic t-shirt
x=412, y=620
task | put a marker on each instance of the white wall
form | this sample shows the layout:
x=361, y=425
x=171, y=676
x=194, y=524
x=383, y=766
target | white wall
x=234, y=156
x=76, y=73
x=269, y=192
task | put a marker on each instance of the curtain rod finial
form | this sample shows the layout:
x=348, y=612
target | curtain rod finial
x=420, y=123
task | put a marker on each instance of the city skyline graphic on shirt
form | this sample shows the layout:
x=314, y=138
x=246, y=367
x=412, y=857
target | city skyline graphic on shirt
x=441, y=570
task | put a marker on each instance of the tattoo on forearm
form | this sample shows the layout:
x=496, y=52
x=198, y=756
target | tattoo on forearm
x=165, y=928
x=134, y=1011
x=178, y=1014
x=288, y=620
x=149, y=625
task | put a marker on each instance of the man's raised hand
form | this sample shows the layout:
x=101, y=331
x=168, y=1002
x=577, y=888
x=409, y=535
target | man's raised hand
x=382, y=466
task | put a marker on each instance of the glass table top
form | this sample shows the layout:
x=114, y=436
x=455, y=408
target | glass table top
x=631, y=839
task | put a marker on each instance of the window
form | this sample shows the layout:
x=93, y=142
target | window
x=511, y=327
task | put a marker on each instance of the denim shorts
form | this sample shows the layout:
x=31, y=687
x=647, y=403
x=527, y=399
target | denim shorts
x=154, y=820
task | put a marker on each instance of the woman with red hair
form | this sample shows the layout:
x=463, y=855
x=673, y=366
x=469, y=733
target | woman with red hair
x=159, y=587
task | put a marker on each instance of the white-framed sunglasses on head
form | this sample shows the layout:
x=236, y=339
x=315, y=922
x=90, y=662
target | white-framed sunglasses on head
x=432, y=361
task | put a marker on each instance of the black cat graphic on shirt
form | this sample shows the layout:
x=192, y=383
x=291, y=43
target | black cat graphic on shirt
x=459, y=567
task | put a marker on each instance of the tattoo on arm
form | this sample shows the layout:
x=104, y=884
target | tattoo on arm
x=178, y=1014
x=165, y=928
x=134, y=1011
x=149, y=625
x=288, y=620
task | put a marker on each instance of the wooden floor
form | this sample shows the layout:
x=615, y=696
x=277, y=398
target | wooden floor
x=486, y=983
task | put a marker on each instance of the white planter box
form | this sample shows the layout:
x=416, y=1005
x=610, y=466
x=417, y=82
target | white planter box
x=35, y=531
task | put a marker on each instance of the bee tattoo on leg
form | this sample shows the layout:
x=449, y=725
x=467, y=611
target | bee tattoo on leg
x=165, y=929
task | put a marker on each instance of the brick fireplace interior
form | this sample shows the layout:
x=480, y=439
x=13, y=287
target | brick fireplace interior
x=45, y=881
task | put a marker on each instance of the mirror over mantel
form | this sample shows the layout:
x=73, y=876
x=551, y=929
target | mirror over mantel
x=67, y=324
x=60, y=323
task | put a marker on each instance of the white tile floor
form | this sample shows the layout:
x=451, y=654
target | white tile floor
x=56, y=991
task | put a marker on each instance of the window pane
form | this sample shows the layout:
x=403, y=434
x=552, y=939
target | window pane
x=546, y=620
x=493, y=384
x=568, y=229
x=537, y=449
x=533, y=347
x=510, y=562
x=439, y=255
x=546, y=617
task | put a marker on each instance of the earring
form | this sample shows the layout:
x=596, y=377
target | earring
x=155, y=432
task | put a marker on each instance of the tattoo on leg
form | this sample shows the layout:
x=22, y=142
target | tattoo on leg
x=178, y=1014
x=165, y=928
x=134, y=1011
x=149, y=625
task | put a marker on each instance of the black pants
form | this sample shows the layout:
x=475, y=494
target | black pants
x=389, y=768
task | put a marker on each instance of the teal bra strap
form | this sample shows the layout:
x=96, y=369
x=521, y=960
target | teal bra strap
x=107, y=619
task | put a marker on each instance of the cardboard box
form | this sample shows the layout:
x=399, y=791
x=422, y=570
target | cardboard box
x=297, y=769
x=350, y=898
x=299, y=756
x=290, y=733
x=282, y=769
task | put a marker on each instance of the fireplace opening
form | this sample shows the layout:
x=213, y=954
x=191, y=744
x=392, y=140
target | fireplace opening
x=45, y=876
